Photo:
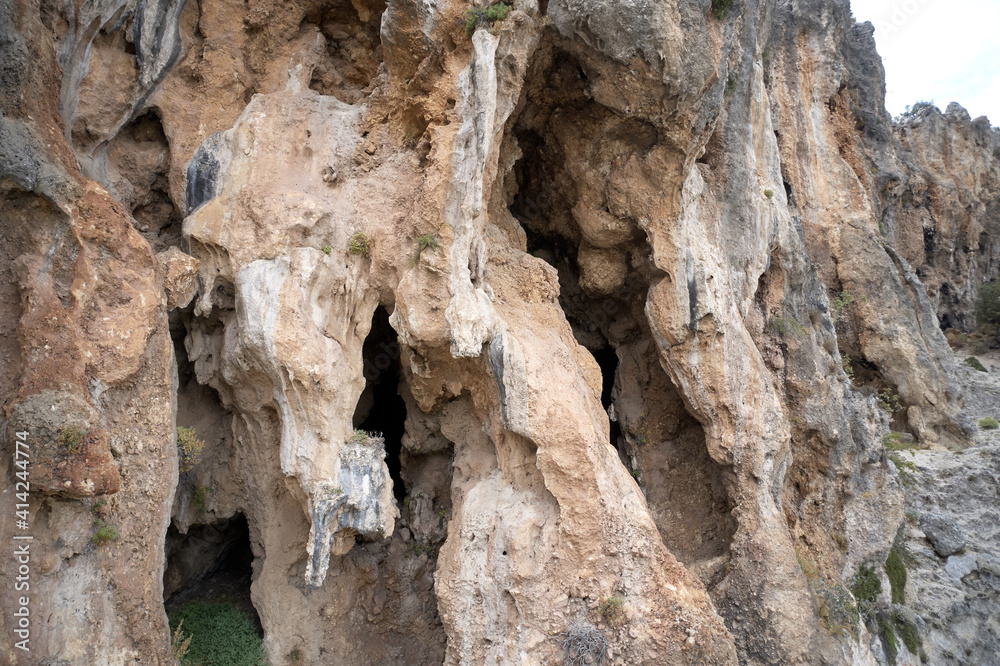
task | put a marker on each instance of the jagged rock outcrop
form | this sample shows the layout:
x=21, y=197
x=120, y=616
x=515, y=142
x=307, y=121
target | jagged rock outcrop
x=592, y=316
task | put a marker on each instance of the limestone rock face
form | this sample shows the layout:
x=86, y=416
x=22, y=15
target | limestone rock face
x=583, y=329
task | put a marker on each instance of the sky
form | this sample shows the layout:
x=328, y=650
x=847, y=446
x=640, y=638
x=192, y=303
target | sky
x=938, y=50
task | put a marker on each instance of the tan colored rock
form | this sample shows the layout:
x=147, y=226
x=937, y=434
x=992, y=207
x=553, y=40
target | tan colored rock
x=180, y=272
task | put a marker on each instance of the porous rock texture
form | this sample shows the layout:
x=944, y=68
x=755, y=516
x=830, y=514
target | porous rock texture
x=624, y=285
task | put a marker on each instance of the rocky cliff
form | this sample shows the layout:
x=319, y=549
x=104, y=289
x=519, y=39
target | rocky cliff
x=574, y=333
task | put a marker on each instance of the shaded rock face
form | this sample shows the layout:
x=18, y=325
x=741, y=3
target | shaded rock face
x=595, y=318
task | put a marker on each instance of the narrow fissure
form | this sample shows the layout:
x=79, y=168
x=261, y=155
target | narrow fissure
x=381, y=409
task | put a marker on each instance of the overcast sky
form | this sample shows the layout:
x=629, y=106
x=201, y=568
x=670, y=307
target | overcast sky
x=940, y=50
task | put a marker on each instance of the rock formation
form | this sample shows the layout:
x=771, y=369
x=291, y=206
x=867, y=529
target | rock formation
x=506, y=333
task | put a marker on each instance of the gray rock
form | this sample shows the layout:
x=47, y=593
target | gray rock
x=960, y=566
x=943, y=534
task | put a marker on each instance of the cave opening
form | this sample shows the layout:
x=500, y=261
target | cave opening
x=381, y=408
x=211, y=563
x=353, y=52
x=138, y=167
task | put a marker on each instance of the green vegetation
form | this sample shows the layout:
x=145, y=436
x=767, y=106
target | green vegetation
x=189, y=447
x=360, y=245
x=988, y=304
x=219, y=635
x=731, y=83
x=886, y=630
x=613, y=610
x=866, y=589
x=888, y=400
x=916, y=108
x=839, y=303
x=425, y=242
x=988, y=423
x=785, y=326
x=327, y=250
x=71, y=439
x=895, y=569
x=720, y=8
x=894, y=447
x=911, y=639
x=848, y=368
x=477, y=16
x=837, y=610
x=104, y=533
x=769, y=193
x=974, y=363
x=200, y=498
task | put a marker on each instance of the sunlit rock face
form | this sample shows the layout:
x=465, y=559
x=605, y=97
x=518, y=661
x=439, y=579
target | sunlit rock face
x=573, y=331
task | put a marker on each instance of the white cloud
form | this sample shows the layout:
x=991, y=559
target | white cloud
x=940, y=50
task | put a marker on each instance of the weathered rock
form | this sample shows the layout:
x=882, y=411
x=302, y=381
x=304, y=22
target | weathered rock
x=943, y=534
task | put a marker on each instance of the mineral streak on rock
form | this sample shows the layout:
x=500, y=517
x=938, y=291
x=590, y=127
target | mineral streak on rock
x=582, y=330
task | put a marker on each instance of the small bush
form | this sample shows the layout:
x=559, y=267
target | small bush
x=425, y=242
x=839, y=303
x=769, y=193
x=200, y=499
x=360, y=245
x=916, y=108
x=220, y=635
x=731, y=83
x=71, y=439
x=866, y=588
x=720, y=8
x=895, y=447
x=974, y=363
x=189, y=447
x=895, y=569
x=477, y=16
x=888, y=400
x=584, y=644
x=613, y=610
x=988, y=304
x=906, y=631
x=105, y=532
x=988, y=423
x=837, y=610
x=327, y=250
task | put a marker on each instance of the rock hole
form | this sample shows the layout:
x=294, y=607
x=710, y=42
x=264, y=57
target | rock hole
x=353, y=48
x=138, y=169
x=211, y=563
x=381, y=408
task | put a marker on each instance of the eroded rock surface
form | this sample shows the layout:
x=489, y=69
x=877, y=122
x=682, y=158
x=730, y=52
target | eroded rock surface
x=596, y=316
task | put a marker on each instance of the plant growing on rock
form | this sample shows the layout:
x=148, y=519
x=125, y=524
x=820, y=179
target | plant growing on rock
x=839, y=303
x=895, y=569
x=888, y=400
x=894, y=447
x=189, y=448
x=71, y=439
x=425, y=242
x=200, y=499
x=105, y=532
x=613, y=610
x=720, y=8
x=475, y=17
x=988, y=304
x=988, y=423
x=866, y=589
x=360, y=245
x=975, y=364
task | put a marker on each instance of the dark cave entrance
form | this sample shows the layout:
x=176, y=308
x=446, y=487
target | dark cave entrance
x=211, y=563
x=381, y=409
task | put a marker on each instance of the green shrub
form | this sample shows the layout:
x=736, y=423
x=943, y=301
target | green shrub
x=866, y=589
x=890, y=638
x=477, y=16
x=895, y=447
x=837, y=610
x=327, y=250
x=105, y=532
x=613, y=610
x=917, y=108
x=200, y=499
x=220, y=635
x=71, y=439
x=839, y=303
x=988, y=423
x=425, y=242
x=974, y=363
x=768, y=193
x=895, y=569
x=189, y=447
x=888, y=400
x=906, y=631
x=360, y=245
x=731, y=83
x=988, y=303
x=720, y=8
